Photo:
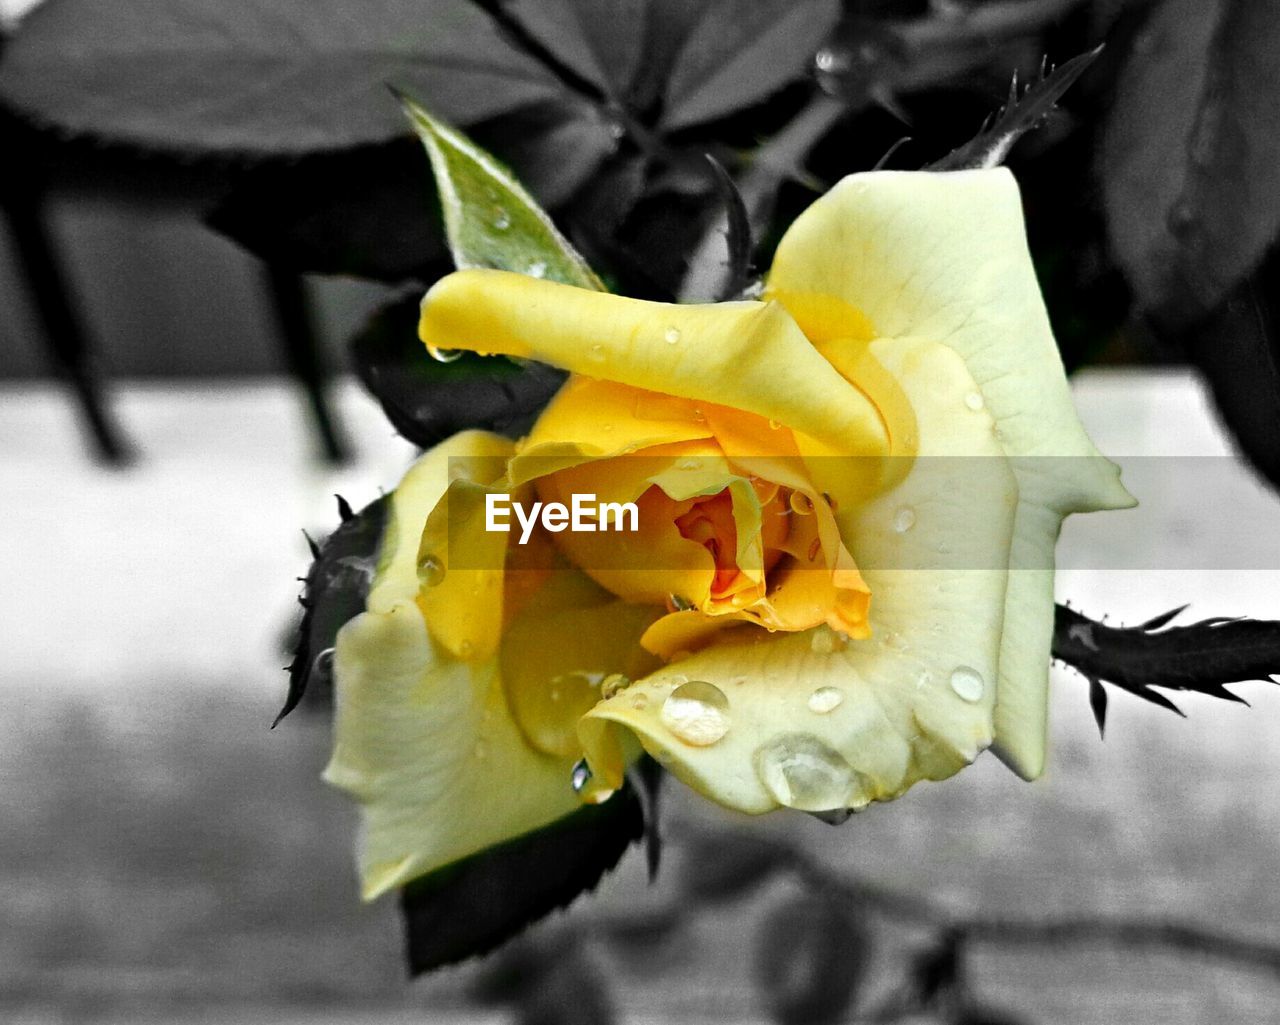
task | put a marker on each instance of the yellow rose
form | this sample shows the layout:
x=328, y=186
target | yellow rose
x=812, y=614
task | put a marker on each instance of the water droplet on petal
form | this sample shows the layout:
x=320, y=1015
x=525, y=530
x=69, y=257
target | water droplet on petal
x=580, y=775
x=968, y=683
x=697, y=712
x=679, y=603
x=801, y=771
x=825, y=641
x=430, y=570
x=826, y=699
x=923, y=679
x=835, y=817
x=613, y=683
x=322, y=665
x=443, y=355
x=774, y=425
x=974, y=401
x=537, y=269
x=596, y=353
x=671, y=335
x=640, y=702
x=501, y=220
x=689, y=464
x=800, y=503
x=815, y=546
x=904, y=519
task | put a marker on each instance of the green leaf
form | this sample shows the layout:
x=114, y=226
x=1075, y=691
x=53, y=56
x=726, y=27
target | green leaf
x=490, y=220
x=470, y=907
x=426, y=400
x=334, y=591
x=280, y=77
x=740, y=52
x=1191, y=156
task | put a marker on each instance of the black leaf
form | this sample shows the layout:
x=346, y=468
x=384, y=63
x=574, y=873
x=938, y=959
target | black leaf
x=1020, y=115
x=811, y=958
x=1201, y=657
x=737, y=234
x=470, y=907
x=427, y=400
x=334, y=591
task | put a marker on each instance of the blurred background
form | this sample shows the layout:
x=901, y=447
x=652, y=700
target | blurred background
x=215, y=230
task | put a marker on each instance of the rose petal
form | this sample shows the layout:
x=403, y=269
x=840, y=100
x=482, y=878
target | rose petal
x=916, y=700
x=426, y=743
x=945, y=257
x=746, y=355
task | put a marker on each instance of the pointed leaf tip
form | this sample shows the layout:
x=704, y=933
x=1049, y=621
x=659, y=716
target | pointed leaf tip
x=490, y=220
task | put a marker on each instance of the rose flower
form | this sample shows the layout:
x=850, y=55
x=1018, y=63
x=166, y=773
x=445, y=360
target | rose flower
x=841, y=584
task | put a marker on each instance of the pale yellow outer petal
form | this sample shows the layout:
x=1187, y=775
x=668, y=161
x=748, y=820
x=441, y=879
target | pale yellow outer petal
x=746, y=355
x=427, y=745
x=900, y=717
x=944, y=257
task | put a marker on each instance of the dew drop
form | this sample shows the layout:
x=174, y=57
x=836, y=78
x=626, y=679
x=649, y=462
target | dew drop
x=697, y=712
x=774, y=425
x=968, y=683
x=834, y=817
x=974, y=401
x=537, y=269
x=801, y=771
x=430, y=570
x=825, y=641
x=640, y=702
x=443, y=355
x=826, y=699
x=671, y=335
x=904, y=519
x=596, y=353
x=678, y=603
x=613, y=683
x=502, y=220
x=800, y=503
x=580, y=775
x=689, y=464
x=924, y=679
x=322, y=665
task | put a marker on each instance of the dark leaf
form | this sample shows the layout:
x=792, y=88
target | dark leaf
x=742, y=51
x=937, y=971
x=334, y=591
x=472, y=906
x=1020, y=115
x=547, y=981
x=427, y=400
x=984, y=1016
x=260, y=76
x=1191, y=157
x=725, y=866
x=605, y=49
x=1200, y=658
x=737, y=232
x=552, y=148
x=369, y=213
x=646, y=779
x=1238, y=349
x=811, y=959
